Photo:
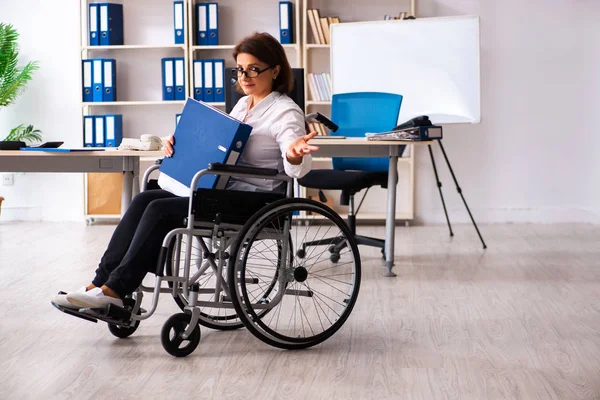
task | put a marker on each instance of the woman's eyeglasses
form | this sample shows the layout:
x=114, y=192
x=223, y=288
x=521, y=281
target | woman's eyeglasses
x=251, y=72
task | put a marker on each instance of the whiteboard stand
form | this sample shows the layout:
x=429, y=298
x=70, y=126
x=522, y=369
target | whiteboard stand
x=458, y=189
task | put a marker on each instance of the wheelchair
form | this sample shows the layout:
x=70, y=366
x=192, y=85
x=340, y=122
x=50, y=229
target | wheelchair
x=241, y=261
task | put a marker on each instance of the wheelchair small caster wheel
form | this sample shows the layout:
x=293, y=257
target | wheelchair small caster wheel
x=334, y=257
x=171, y=338
x=125, y=331
x=301, y=253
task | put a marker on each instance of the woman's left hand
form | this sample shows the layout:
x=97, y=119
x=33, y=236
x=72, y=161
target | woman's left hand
x=299, y=148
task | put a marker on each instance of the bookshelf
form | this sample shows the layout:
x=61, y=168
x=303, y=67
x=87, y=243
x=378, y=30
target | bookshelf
x=236, y=21
x=148, y=37
x=316, y=59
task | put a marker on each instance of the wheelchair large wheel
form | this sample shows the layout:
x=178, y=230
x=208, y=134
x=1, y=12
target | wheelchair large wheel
x=210, y=317
x=313, y=296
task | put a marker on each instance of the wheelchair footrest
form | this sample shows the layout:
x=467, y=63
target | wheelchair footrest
x=74, y=313
x=112, y=314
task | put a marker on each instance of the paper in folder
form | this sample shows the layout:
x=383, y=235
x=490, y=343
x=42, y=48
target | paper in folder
x=203, y=135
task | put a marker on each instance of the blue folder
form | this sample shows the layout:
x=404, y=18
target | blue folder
x=285, y=22
x=204, y=135
x=219, y=80
x=209, y=81
x=213, y=24
x=113, y=129
x=178, y=22
x=110, y=80
x=179, y=68
x=99, y=130
x=168, y=76
x=87, y=87
x=97, y=79
x=111, y=24
x=88, y=131
x=93, y=24
x=202, y=24
x=198, y=80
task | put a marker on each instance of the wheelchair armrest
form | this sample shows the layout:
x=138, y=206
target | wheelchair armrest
x=233, y=169
x=149, y=171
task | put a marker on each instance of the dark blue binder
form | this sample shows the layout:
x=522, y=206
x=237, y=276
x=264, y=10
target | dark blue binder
x=204, y=135
x=87, y=87
x=111, y=24
x=110, y=80
x=93, y=25
x=178, y=22
x=219, y=80
x=202, y=24
x=113, y=129
x=168, y=77
x=213, y=24
x=99, y=130
x=209, y=81
x=198, y=80
x=285, y=22
x=89, y=133
x=179, y=65
x=97, y=79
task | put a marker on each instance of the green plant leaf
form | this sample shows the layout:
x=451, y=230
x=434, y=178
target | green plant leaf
x=24, y=133
x=12, y=79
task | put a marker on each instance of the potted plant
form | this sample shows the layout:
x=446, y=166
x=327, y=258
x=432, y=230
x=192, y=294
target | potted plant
x=12, y=83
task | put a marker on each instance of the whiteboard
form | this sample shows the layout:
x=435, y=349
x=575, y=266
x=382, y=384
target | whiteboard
x=432, y=62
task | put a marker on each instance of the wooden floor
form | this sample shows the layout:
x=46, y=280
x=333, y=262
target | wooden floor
x=520, y=320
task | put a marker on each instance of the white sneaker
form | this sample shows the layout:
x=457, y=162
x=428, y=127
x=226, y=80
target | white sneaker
x=94, y=298
x=61, y=299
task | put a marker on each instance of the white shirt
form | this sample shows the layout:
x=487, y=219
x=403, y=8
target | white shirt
x=276, y=121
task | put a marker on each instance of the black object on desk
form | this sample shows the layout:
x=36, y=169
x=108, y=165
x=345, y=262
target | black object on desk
x=47, y=145
x=12, y=145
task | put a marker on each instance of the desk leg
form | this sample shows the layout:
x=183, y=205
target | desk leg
x=126, y=191
x=390, y=219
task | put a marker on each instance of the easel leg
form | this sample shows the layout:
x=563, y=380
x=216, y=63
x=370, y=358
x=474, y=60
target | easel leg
x=439, y=185
x=460, y=192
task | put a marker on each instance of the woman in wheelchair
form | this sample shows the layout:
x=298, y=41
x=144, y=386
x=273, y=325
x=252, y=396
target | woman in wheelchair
x=278, y=141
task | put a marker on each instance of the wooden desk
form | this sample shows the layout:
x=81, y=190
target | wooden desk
x=127, y=162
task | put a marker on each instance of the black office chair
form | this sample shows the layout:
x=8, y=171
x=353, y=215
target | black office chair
x=356, y=114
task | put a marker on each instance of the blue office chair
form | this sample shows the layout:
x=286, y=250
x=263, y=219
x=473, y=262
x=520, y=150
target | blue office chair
x=355, y=114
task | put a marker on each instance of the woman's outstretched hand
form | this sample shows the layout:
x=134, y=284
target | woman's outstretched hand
x=168, y=145
x=299, y=148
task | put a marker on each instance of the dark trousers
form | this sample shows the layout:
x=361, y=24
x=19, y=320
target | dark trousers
x=134, y=247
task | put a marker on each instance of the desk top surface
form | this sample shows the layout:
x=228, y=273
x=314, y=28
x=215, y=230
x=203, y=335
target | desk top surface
x=363, y=141
x=135, y=153
x=107, y=153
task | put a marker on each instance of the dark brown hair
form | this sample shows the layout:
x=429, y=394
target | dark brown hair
x=268, y=50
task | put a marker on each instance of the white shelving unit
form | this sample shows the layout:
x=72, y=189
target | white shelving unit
x=139, y=81
x=237, y=20
x=316, y=58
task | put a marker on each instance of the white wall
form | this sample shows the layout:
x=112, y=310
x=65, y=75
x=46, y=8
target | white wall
x=50, y=35
x=533, y=157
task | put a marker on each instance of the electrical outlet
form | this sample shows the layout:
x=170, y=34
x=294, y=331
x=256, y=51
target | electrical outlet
x=8, y=179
